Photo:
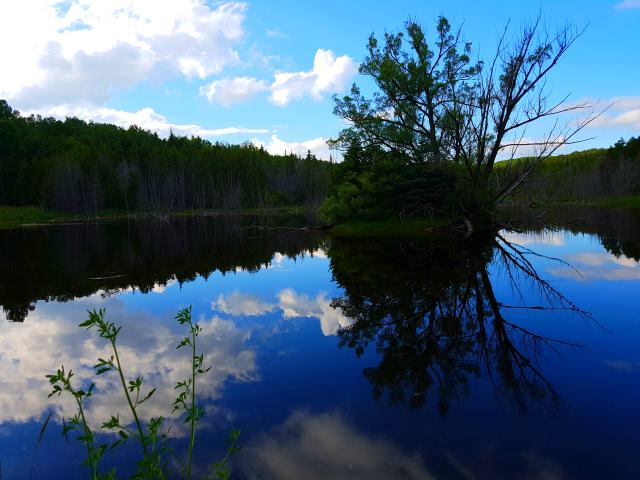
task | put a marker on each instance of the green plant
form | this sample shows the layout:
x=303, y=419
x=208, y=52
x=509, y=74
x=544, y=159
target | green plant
x=61, y=382
x=153, y=443
x=150, y=465
x=186, y=399
x=220, y=470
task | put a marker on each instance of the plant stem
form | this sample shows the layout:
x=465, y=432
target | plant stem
x=89, y=440
x=131, y=406
x=192, y=440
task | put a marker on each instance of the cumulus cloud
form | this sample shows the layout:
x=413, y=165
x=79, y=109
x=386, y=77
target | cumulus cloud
x=624, y=112
x=276, y=146
x=296, y=305
x=238, y=304
x=326, y=446
x=233, y=90
x=628, y=4
x=145, y=118
x=78, y=52
x=328, y=75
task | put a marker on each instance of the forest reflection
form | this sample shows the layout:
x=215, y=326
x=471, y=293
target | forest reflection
x=431, y=310
x=64, y=262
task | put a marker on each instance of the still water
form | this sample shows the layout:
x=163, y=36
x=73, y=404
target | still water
x=371, y=358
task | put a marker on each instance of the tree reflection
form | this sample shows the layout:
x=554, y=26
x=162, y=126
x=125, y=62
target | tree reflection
x=65, y=262
x=432, y=312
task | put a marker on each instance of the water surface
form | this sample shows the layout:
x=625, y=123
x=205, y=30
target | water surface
x=420, y=358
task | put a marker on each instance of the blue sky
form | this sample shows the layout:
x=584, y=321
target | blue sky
x=265, y=71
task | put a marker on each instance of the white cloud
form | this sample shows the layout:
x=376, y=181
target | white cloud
x=145, y=118
x=296, y=305
x=624, y=112
x=328, y=75
x=240, y=304
x=81, y=51
x=233, y=90
x=628, y=4
x=276, y=146
x=325, y=446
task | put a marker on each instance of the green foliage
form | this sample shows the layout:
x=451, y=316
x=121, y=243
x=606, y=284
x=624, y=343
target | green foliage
x=82, y=168
x=421, y=86
x=432, y=104
x=61, y=383
x=153, y=443
x=220, y=470
x=185, y=402
x=11, y=216
x=592, y=176
x=373, y=184
x=150, y=466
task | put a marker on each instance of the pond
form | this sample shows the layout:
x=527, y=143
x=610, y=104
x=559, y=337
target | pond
x=372, y=358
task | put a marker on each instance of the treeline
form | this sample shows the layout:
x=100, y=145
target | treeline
x=84, y=168
x=586, y=176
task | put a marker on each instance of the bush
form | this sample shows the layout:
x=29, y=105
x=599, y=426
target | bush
x=378, y=185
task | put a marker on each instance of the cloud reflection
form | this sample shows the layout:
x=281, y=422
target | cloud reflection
x=240, y=304
x=147, y=347
x=296, y=305
x=292, y=305
x=325, y=446
x=598, y=266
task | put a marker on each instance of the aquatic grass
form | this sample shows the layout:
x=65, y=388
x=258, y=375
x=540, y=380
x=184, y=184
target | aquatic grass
x=153, y=443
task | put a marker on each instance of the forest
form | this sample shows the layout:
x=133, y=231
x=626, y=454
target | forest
x=85, y=168
x=589, y=176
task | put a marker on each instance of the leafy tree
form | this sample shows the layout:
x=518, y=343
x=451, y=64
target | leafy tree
x=434, y=104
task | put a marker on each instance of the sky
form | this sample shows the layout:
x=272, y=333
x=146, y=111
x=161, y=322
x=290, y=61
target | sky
x=266, y=71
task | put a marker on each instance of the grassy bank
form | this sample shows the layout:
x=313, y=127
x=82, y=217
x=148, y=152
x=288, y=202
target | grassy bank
x=15, y=216
x=623, y=202
x=389, y=227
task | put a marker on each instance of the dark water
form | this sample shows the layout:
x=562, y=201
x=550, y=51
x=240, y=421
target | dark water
x=340, y=358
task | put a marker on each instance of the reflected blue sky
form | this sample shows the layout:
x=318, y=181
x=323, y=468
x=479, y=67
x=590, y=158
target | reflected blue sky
x=279, y=376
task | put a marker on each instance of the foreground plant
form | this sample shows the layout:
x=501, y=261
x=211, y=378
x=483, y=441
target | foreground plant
x=61, y=382
x=150, y=465
x=186, y=399
x=153, y=444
